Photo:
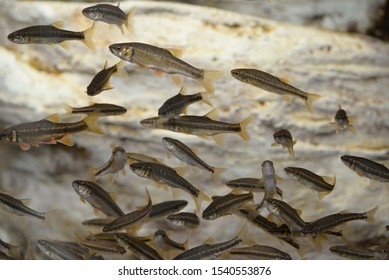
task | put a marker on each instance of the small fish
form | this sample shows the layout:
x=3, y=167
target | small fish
x=200, y=125
x=261, y=252
x=226, y=205
x=162, y=239
x=168, y=176
x=343, y=121
x=51, y=34
x=132, y=219
x=97, y=197
x=367, y=168
x=115, y=164
x=328, y=222
x=48, y=131
x=110, y=14
x=57, y=251
x=186, y=219
x=187, y=155
x=139, y=247
x=102, y=109
x=136, y=157
x=273, y=84
x=177, y=104
x=250, y=185
x=284, y=138
x=100, y=81
x=163, y=60
x=103, y=246
x=206, y=251
x=17, y=207
x=354, y=252
x=322, y=184
x=97, y=222
x=166, y=208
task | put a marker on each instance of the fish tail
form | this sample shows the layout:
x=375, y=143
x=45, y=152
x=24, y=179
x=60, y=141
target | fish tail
x=291, y=152
x=88, y=37
x=208, y=77
x=129, y=21
x=206, y=98
x=311, y=97
x=370, y=215
x=199, y=199
x=351, y=121
x=91, y=122
x=243, y=128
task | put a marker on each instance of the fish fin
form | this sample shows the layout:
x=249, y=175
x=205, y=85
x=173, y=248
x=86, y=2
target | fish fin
x=120, y=26
x=111, y=178
x=219, y=139
x=299, y=212
x=185, y=244
x=216, y=173
x=370, y=215
x=330, y=180
x=25, y=201
x=120, y=69
x=64, y=45
x=199, y=199
x=24, y=146
x=274, y=144
x=351, y=128
x=205, y=98
x=129, y=20
x=88, y=33
x=213, y=115
x=178, y=80
x=322, y=195
x=317, y=242
x=57, y=24
x=209, y=241
x=91, y=122
x=284, y=80
x=158, y=72
x=144, y=67
x=177, y=52
x=68, y=109
x=181, y=170
x=311, y=97
x=287, y=98
x=279, y=191
x=55, y=118
x=243, y=128
x=112, y=195
x=352, y=119
x=208, y=77
x=66, y=140
x=107, y=86
x=82, y=199
x=291, y=151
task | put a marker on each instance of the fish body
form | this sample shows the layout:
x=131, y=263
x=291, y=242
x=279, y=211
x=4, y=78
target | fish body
x=136, y=157
x=226, y=205
x=58, y=251
x=343, y=121
x=250, y=185
x=102, y=109
x=353, y=252
x=97, y=222
x=50, y=34
x=162, y=60
x=131, y=219
x=328, y=222
x=284, y=138
x=17, y=207
x=367, y=168
x=310, y=179
x=273, y=84
x=269, y=179
x=100, y=81
x=139, y=247
x=161, y=239
x=110, y=14
x=47, y=131
x=97, y=197
x=166, y=208
x=116, y=163
x=186, y=219
x=104, y=246
x=261, y=252
x=168, y=176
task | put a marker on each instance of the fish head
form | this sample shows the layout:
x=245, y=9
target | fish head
x=241, y=74
x=9, y=135
x=271, y=205
x=210, y=215
x=292, y=173
x=93, y=90
x=141, y=169
x=82, y=188
x=94, y=13
x=122, y=50
x=169, y=143
x=18, y=38
x=282, y=136
x=347, y=160
x=267, y=168
x=119, y=157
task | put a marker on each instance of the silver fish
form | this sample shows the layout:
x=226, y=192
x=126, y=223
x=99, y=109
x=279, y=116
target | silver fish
x=367, y=168
x=186, y=219
x=261, y=252
x=166, y=208
x=115, y=164
x=139, y=247
x=17, y=207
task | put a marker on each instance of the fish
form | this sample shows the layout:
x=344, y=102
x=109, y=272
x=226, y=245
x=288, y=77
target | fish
x=322, y=184
x=226, y=205
x=112, y=15
x=57, y=251
x=274, y=84
x=97, y=197
x=261, y=252
x=162, y=240
x=366, y=168
x=164, y=61
x=177, y=104
x=328, y=222
x=187, y=155
x=200, y=125
x=284, y=138
x=114, y=165
x=343, y=121
x=166, y=208
x=97, y=222
x=102, y=245
x=168, y=176
x=250, y=185
x=136, y=157
x=269, y=181
x=354, y=252
x=132, y=220
x=51, y=34
x=139, y=247
x=48, y=131
x=18, y=207
x=186, y=219
x=100, y=81
x=102, y=109
x=206, y=251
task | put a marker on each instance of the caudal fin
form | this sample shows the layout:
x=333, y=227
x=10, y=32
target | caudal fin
x=311, y=97
x=199, y=199
x=208, y=78
x=129, y=21
x=243, y=128
x=88, y=37
x=370, y=215
x=91, y=122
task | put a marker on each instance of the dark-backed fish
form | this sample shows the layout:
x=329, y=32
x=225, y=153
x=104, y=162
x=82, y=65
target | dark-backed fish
x=343, y=121
x=367, y=168
x=100, y=81
x=102, y=109
x=17, y=207
x=261, y=252
x=284, y=138
x=186, y=219
x=166, y=208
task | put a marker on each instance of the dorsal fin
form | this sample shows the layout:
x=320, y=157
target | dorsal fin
x=213, y=115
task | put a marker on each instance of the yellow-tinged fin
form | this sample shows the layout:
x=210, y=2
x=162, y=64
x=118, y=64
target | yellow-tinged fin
x=88, y=33
x=159, y=73
x=57, y=24
x=213, y=115
x=199, y=199
x=208, y=78
x=287, y=98
x=178, y=80
x=120, y=69
x=112, y=195
x=330, y=180
x=322, y=195
x=291, y=151
x=91, y=122
x=243, y=128
x=311, y=97
x=205, y=96
x=274, y=144
x=55, y=118
x=351, y=121
x=66, y=140
x=177, y=52
x=351, y=128
x=370, y=215
x=284, y=80
x=218, y=138
x=65, y=45
x=68, y=109
x=181, y=170
x=129, y=21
